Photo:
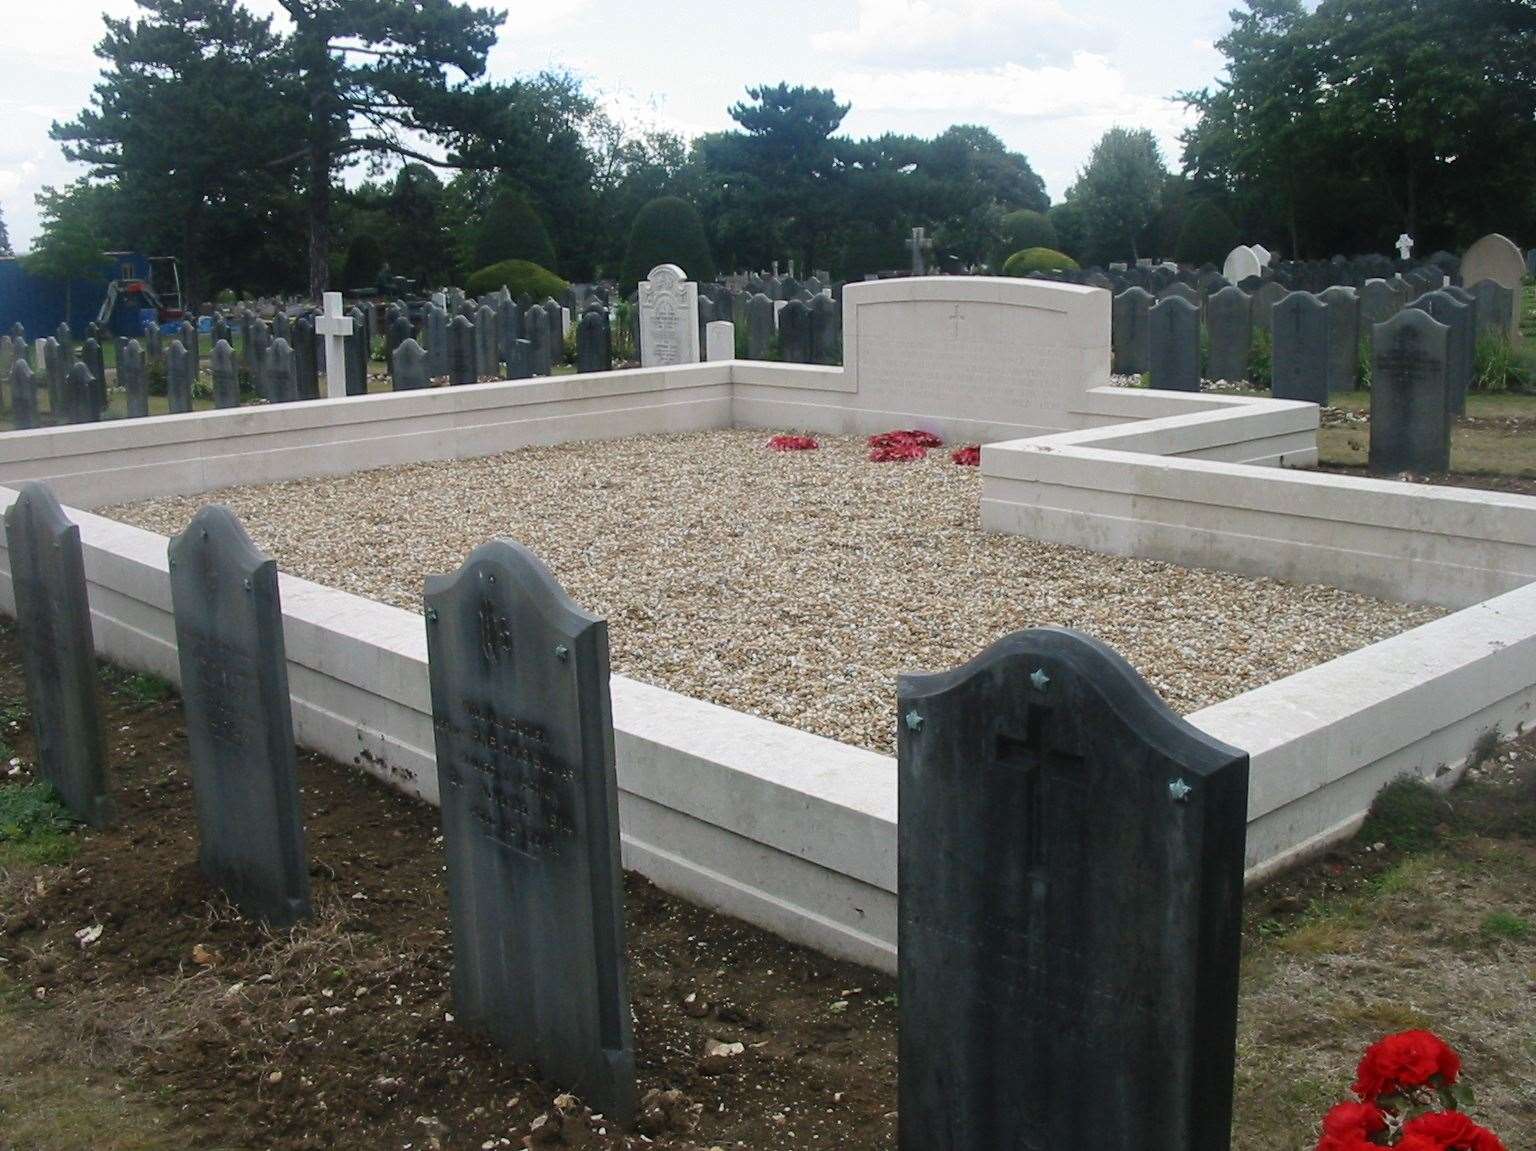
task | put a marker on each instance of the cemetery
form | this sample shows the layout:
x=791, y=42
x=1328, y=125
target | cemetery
x=524, y=628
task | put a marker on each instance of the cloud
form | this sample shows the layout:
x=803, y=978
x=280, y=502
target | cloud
x=953, y=31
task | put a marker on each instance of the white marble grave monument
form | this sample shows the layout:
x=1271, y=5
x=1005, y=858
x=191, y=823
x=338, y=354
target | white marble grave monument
x=669, y=318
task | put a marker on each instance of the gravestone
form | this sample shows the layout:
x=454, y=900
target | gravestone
x=760, y=327
x=1229, y=319
x=1410, y=395
x=23, y=395
x=397, y=333
x=335, y=329
x=826, y=331
x=592, y=344
x=358, y=355
x=1181, y=291
x=85, y=400
x=1379, y=302
x=795, y=333
x=409, y=370
x=53, y=364
x=669, y=325
x=508, y=323
x=152, y=343
x=1263, y=306
x=1299, y=361
x=282, y=328
x=226, y=379
x=524, y=741
x=461, y=351
x=1241, y=263
x=437, y=341
x=720, y=342
x=555, y=315
x=281, y=381
x=132, y=374
x=1460, y=349
x=1070, y=861
x=234, y=690
x=1173, y=325
x=485, y=342
x=1496, y=258
x=1130, y=332
x=518, y=360
x=1493, y=307
x=306, y=360
x=95, y=360
x=1343, y=326
x=178, y=378
x=536, y=333
x=189, y=341
x=53, y=623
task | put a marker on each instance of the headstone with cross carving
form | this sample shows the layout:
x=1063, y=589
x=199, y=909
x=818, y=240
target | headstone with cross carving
x=58, y=659
x=524, y=739
x=234, y=690
x=1410, y=394
x=1070, y=862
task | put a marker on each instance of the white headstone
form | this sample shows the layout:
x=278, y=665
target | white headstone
x=1496, y=258
x=335, y=327
x=1405, y=247
x=565, y=322
x=720, y=341
x=669, y=318
x=1263, y=253
x=1242, y=262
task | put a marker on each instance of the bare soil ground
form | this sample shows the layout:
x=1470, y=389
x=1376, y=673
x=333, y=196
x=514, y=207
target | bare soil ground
x=186, y=1026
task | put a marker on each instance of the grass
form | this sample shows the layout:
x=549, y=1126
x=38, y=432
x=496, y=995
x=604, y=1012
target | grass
x=1408, y=816
x=35, y=829
x=140, y=687
x=1505, y=925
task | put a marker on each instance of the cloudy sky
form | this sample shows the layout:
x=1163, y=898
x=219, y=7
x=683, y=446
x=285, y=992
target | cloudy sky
x=1048, y=76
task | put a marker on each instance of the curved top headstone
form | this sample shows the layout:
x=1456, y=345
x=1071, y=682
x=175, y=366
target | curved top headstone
x=1241, y=262
x=1496, y=258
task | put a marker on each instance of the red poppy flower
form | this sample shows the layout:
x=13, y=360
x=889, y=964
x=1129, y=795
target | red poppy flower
x=911, y=436
x=793, y=443
x=1349, y=1127
x=885, y=453
x=967, y=457
x=1403, y=1062
x=1446, y=1131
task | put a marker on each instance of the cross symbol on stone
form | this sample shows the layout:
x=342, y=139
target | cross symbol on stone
x=335, y=327
x=1405, y=246
x=1044, y=769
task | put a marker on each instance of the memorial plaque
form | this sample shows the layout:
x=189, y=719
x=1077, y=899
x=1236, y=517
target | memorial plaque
x=524, y=738
x=234, y=687
x=1070, y=863
x=1410, y=395
x=58, y=657
x=1174, y=344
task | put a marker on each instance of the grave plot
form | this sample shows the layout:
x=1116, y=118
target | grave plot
x=794, y=586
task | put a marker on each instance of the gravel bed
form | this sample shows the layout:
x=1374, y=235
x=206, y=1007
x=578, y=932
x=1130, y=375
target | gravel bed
x=790, y=585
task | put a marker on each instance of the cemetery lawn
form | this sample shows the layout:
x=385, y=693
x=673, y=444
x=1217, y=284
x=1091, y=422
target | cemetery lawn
x=793, y=585
x=185, y=1026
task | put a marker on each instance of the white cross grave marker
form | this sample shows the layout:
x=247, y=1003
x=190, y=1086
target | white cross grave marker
x=335, y=327
x=1404, y=246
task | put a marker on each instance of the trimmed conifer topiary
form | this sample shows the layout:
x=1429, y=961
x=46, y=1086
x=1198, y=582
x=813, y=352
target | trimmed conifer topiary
x=667, y=231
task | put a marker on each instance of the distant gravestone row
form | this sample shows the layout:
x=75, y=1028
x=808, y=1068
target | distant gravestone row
x=1070, y=850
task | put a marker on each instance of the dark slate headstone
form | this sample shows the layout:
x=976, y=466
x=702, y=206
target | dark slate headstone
x=1410, y=395
x=178, y=378
x=1181, y=290
x=280, y=380
x=592, y=344
x=508, y=323
x=221, y=331
x=795, y=333
x=95, y=360
x=1229, y=319
x=556, y=332
x=190, y=342
x=282, y=328
x=84, y=407
x=1343, y=328
x=1299, y=362
x=1494, y=305
x=152, y=342
x=53, y=364
x=1070, y=861
x=518, y=360
x=1173, y=342
x=306, y=359
x=409, y=370
x=132, y=373
x=1378, y=304
x=1460, y=350
x=226, y=379
x=485, y=342
x=536, y=332
x=53, y=622
x=524, y=740
x=462, y=353
x=234, y=688
x=23, y=395
x=1130, y=331
x=397, y=333
x=357, y=355
x=1264, y=301
x=826, y=330
x=760, y=327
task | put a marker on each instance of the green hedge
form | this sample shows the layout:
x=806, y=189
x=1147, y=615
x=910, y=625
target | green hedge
x=1038, y=260
x=518, y=276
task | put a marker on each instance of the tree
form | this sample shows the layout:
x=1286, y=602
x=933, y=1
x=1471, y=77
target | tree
x=1207, y=236
x=365, y=260
x=170, y=126
x=512, y=230
x=667, y=231
x=374, y=76
x=1027, y=229
x=69, y=246
x=5, y=237
x=1119, y=190
x=1071, y=228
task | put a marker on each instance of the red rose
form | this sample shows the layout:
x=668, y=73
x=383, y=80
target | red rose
x=1404, y=1061
x=1349, y=1127
x=793, y=443
x=967, y=457
x=1446, y=1131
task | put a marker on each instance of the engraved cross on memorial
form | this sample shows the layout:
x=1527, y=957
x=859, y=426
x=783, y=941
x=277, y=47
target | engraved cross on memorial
x=1070, y=865
x=524, y=741
x=335, y=327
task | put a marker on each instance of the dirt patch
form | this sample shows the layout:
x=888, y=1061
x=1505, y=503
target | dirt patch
x=185, y=1025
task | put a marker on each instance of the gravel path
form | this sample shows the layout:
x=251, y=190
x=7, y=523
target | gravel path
x=795, y=585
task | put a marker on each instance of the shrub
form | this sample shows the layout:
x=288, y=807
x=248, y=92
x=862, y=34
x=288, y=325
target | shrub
x=1499, y=366
x=365, y=260
x=512, y=230
x=667, y=231
x=1207, y=236
x=1071, y=228
x=1026, y=229
x=518, y=276
x=1261, y=355
x=1038, y=260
